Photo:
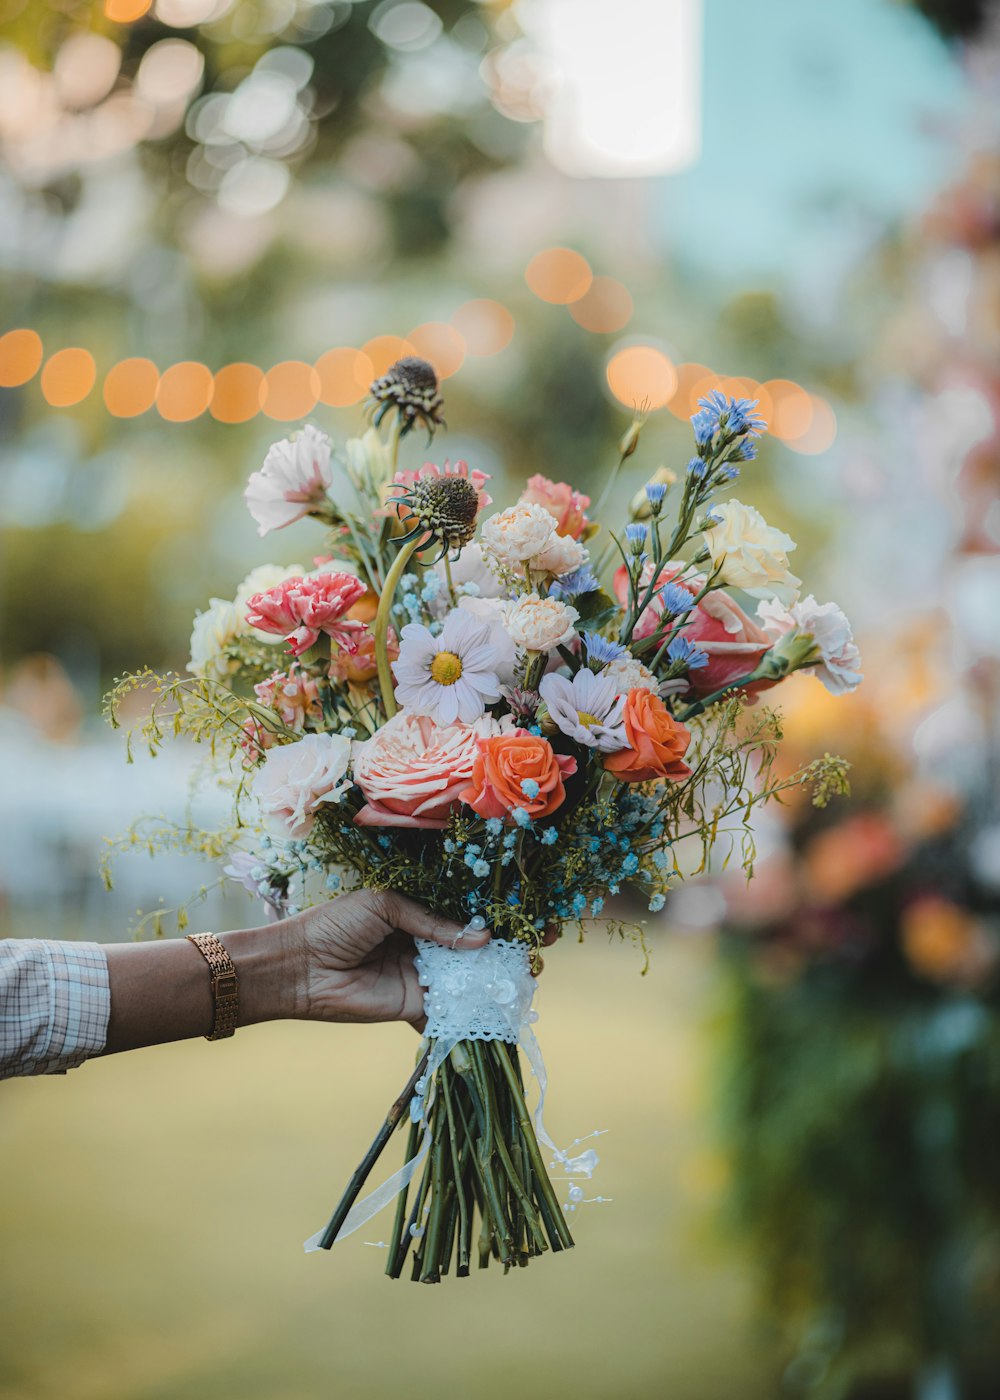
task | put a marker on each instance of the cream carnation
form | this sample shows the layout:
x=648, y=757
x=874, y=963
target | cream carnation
x=562, y=555
x=214, y=630
x=298, y=778
x=519, y=533
x=838, y=661
x=628, y=673
x=413, y=769
x=540, y=624
x=748, y=553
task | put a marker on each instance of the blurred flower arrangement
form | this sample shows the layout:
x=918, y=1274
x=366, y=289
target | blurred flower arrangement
x=456, y=709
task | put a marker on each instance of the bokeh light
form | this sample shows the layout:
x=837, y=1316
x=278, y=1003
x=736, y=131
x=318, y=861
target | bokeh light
x=684, y=400
x=130, y=387
x=440, y=344
x=821, y=432
x=385, y=350
x=85, y=69
x=68, y=377
x=605, y=307
x=344, y=376
x=184, y=391
x=558, y=275
x=169, y=72
x=792, y=409
x=641, y=376
x=20, y=357
x=291, y=390
x=126, y=11
x=486, y=326
x=237, y=393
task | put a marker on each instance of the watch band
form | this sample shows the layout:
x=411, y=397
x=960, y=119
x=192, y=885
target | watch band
x=225, y=985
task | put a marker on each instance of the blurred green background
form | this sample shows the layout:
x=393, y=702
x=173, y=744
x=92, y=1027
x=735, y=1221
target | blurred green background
x=219, y=219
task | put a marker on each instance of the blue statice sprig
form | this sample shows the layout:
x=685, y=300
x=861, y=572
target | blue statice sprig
x=683, y=654
x=601, y=651
x=574, y=585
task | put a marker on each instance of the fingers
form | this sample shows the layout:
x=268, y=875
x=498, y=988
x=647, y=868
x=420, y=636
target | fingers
x=419, y=922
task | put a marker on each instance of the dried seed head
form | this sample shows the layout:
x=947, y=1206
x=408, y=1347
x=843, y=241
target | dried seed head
x=411, y=387
x=444, y=507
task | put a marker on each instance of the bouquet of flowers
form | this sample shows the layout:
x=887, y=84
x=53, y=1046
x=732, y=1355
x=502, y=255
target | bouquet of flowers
x=507, y=714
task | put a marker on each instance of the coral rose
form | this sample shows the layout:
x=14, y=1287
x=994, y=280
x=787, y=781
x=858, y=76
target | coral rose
x=657, y=742
x=413, y=771
x=510, y=767
x=565, y=505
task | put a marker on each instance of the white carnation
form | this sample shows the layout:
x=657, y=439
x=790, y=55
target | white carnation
x=838, y=666
x=748, y=553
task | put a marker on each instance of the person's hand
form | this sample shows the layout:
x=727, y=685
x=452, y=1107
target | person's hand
x=355, y=956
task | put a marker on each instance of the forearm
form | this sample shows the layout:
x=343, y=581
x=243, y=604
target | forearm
x=163, y=991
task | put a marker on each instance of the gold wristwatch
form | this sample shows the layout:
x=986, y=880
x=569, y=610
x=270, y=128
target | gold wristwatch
x=225, y=985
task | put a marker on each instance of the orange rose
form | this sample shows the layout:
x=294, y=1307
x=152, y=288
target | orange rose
x=657, y=742
x=508, y=764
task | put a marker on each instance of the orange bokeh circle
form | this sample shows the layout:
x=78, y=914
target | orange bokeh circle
x=486, y=326
x=385, y=350
x=792, y=409
x=821, y=432
x=344, y=376
x=184, y=391
x=690, y=375
x=291, y=389
x=441, y=345
x=68, y=377
x=641, y=376
x=558, y=275
x=604, y=308
x=130, y=387
x=237, y=393
x=20, y=357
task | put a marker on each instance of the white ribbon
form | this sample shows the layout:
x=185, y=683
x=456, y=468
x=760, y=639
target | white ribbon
x=472, y=994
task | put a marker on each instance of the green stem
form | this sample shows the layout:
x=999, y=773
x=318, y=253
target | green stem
x=545, y=1190
x=700, y=705
x=381, y=629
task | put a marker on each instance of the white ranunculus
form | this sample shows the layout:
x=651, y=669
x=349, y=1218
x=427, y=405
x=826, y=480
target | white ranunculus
x=293, y=481
x=838, y=662
x=540, y=624
x=298, y=778
x=214, y=630
x=562, y=555
x=748, y=553
x=518, y=533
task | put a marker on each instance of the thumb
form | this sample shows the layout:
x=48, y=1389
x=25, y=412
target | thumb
x=413, y=918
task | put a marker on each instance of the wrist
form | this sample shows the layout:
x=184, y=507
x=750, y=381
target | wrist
x=269, y=964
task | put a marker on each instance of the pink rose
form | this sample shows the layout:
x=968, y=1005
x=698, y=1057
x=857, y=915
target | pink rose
x=565, y=505
x=300, y=609
x=412, y=770
x=734, y=644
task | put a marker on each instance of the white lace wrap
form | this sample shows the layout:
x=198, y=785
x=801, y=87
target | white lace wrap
x=476, y=994
x=472, y=994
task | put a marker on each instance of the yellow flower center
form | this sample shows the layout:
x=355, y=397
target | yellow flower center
x=446, y=668
x=585, y=717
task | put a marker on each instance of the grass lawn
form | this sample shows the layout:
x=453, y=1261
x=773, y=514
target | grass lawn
x=154, y=1204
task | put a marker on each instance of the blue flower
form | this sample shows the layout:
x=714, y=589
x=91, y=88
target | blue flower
x=630, y=864
x=636, y=535
x=601, y=650
x=535, y=729
x=661, y=860
x=697, y=468
x=481, y=869
x=521, y=817
x=735, y=415
x=728, y=473
x=680, y=649
x=431, y=588
x=530, y=788
x=449, y=845
x=574, y=584
x=333, y=881
x=596, y=906
x=494, y=826
x=513, y=899
x=550, y=836
x=655, y=492
x=675, y=599
x=746, y=450
x=657, y=903
x=510, y=840
x=579, y=903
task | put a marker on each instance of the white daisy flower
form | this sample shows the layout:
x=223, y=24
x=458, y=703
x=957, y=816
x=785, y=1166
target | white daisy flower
x=452, y=676
x=587, y=709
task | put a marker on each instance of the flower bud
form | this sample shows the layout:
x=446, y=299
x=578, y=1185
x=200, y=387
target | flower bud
x=642, y=506
x=630, y=439
x=790, y=652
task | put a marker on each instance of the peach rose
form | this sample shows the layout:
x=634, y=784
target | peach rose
x=565, y=505
x=657, y=742
x=509, y=767
x=733, y=641
x=412, y=771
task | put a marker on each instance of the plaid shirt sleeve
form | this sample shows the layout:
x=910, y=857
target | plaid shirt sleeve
x=54, y=1005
